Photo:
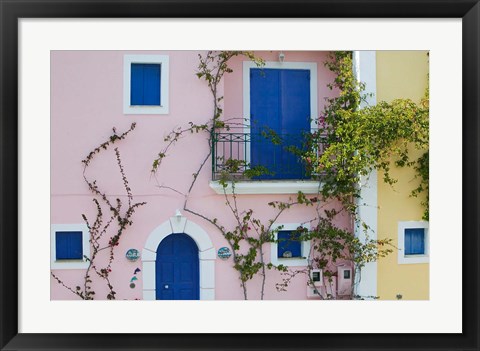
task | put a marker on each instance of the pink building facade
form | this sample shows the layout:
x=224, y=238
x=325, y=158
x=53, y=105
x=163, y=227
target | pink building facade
x=92, y=92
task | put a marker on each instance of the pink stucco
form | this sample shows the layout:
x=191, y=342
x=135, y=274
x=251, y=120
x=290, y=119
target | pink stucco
x=87, y=100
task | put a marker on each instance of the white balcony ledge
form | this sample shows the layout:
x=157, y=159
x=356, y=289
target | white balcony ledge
x=268, y=187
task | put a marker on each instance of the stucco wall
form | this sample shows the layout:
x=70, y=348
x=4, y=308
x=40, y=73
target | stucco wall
x=87, y=100
x=400, y=75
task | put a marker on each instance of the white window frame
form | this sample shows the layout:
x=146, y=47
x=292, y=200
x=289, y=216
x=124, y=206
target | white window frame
x=69, y=264
x=163, y=61
x=412, y=259
x=294, y=261
x=273, y=186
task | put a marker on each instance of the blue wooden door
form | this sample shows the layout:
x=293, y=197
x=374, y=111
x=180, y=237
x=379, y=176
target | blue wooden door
x=279, y=118
x=177, y=269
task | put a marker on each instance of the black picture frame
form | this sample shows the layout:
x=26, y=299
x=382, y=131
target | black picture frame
x=12, y=11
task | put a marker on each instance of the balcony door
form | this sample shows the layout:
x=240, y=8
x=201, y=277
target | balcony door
x=279, y=118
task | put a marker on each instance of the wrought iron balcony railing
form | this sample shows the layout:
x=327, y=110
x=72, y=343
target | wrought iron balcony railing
x=261, y=156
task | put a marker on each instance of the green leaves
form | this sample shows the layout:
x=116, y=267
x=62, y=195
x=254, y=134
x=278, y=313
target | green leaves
x=354, y=140
x=422, y=168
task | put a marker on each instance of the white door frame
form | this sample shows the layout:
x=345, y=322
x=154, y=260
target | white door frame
x=206, y=255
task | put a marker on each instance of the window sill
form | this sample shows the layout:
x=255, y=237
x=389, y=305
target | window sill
x=68, y=260
x=145, y=110
x=268, y=187
x=413, y=259
x=69, y=264
x=290, y=262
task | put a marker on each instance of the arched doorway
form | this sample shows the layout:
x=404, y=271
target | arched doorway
x=206, y=256
x=177, y=269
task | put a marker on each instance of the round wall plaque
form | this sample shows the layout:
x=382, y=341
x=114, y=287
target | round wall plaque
x=132, y=255
x=224, y=253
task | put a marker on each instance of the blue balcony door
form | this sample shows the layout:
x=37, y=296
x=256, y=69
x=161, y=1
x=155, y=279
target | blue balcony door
x=279, y=107
x=177, y=269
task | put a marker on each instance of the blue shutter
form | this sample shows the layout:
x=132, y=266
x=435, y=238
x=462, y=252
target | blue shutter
x=69, y=245
x=136, y=84
x=265, y=117
x=151, y=84
x=145, y=84
x=288, y=241
x=279, y=102
x=295, y=92
x=415, y=241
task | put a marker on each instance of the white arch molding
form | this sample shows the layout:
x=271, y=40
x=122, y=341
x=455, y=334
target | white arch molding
x=206, y=255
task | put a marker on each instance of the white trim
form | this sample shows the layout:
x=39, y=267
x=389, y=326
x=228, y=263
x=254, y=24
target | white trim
x=207, y=281
x=69, y=264
x=289, y=262
x=149, y=294
x=148, y=271
x=155, y=237
x=268, y=187
x=247, y=65
x=207, y=256
x=163, y=61
x=178, y=224
x=148, y=256
x=412, y=259
x=207, y=294
x=364, y=65
x=200, y=236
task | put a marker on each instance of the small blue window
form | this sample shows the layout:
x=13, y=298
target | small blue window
x=415, y=241
x=68, y=245
x=288, y=244
x=145, y=84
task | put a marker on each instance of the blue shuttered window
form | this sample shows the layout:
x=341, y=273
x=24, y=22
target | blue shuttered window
x=288, y=242
x=68, y=245
x=145, y=84
x=415, y=241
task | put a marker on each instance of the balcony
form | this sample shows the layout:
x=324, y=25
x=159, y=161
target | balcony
x=262, y=163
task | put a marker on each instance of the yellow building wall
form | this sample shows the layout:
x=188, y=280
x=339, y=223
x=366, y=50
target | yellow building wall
x=400, y=74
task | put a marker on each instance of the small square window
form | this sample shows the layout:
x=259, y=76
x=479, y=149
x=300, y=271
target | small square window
x=413, y=245
x=287, y=250
x=70, y=246
x=288, y=244
x=145, y=84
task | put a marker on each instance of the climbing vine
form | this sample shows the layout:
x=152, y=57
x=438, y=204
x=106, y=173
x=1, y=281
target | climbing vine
x=107, y=228
x=248, y=237
x=352, y=140
x=359, y=139
x=421, y=168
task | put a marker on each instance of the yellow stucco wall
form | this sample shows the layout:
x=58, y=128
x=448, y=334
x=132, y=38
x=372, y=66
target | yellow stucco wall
x=400, y=74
